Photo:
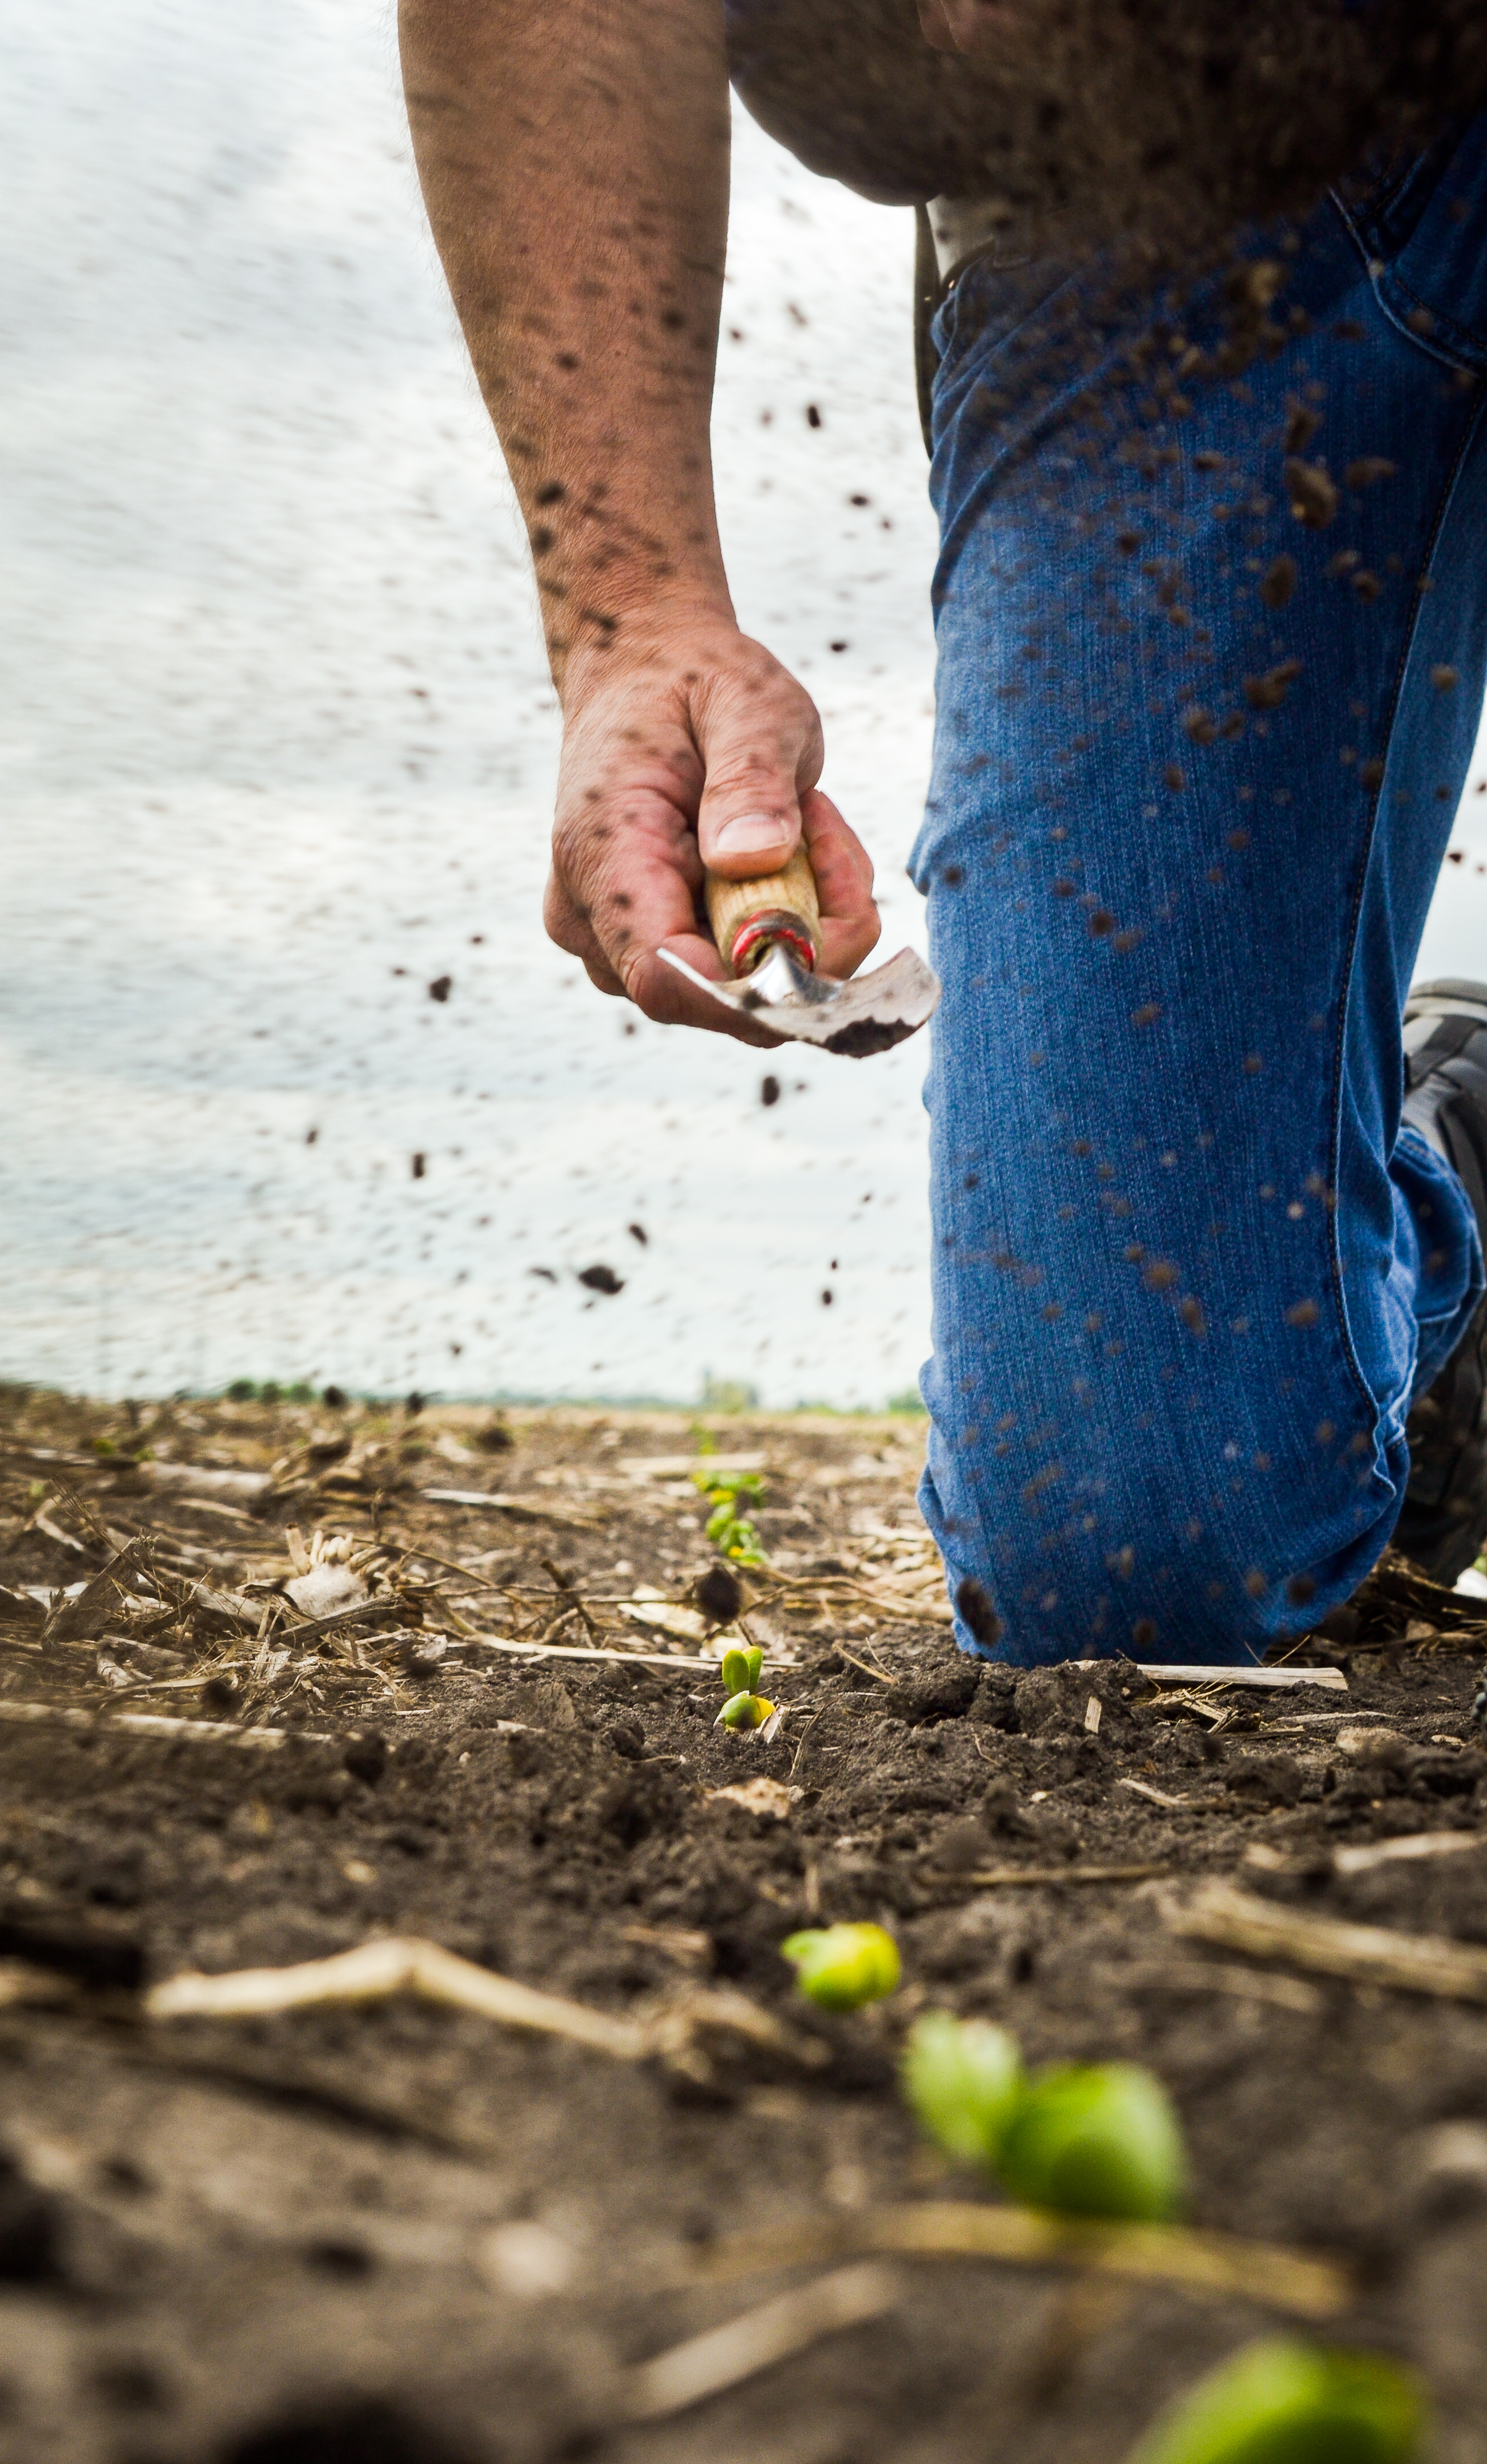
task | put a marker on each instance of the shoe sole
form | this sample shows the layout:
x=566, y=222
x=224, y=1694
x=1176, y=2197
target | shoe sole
x=1442, y=1528
x=1451, y=993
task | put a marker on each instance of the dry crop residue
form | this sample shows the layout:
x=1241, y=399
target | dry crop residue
x=294, y=1680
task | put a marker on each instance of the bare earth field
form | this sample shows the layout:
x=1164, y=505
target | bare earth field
x=404, y=2229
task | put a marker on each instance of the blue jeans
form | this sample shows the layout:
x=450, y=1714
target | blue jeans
x=1196, y=763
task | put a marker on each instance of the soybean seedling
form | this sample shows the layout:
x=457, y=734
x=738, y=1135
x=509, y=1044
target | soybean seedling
x=1283, y=2401
x=1101, y=2141
x=962, y=2079
x=843, y=1966
x=1098, y=2141
x=743, y=1706
x=731, y=1532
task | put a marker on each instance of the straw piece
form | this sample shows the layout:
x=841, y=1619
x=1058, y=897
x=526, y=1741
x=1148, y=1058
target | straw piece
x=672, y=2029
x=1200, y=2262
x=21, y=1982
x=41, y=1521
x=17, y=1446
x=153, y=1723
x=1416, y=1844
x=724, y=2357
x=200, y=1481
x=376, y=1970
x=360, y=1613
x=219, y=1506
x=1269, y=1679
x=1155, y=1796
x=674, y=2026
x=453, y=1566
x=589, y=1651
x=1410, y=1850
x=77, y=1620
x=520, y=1508
x=1001, y=1878
x=1221, y=1977
x=1412, y=1963
x=911, y=1611
x=880, y=1675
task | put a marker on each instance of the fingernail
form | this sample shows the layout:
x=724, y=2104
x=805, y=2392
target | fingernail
x=747, y=833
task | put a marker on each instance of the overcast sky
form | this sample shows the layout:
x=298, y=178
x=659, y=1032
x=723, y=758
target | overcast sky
x=276, y=745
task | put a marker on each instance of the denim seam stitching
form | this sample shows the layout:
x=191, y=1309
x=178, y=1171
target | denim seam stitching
x=1044, y=424
x=1462, y=349
x=1376, y=205
x=1468, y=439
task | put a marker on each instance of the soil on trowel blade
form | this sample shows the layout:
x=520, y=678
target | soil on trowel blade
x=386, y=2231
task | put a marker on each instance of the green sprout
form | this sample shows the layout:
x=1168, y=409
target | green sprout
x=732, y=1534
x=843, y=1966
x=1283, y=2401
x=1100, y=2141
x=743, y=1706
x=962, y=2078
x=1096, y=2142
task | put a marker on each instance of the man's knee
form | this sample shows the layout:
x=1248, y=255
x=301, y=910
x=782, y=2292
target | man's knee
x=1145, y=1548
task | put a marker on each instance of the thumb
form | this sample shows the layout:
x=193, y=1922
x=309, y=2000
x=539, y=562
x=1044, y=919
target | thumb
x=748, y=818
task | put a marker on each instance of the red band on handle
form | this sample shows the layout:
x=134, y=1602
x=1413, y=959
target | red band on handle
x=757, y=934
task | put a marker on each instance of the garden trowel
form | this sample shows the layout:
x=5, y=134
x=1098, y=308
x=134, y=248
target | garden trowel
x=768, y=935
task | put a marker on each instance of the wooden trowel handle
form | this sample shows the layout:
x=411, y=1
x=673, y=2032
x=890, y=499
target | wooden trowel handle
x=748, y=917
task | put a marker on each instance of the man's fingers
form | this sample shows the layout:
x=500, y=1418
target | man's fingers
x=850, y=925
x=570, y=926
x=619, y=936
x=840, y=862
x=668, y=776
x=640, y=897
x=747, y=846
x=603, y=977
x=760, y=748
x=664, y=995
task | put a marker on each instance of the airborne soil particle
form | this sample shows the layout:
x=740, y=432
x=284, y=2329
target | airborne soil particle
x=278, y=2238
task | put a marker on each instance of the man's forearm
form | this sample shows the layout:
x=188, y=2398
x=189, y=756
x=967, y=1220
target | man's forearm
x=574, y=156
x=574, y=159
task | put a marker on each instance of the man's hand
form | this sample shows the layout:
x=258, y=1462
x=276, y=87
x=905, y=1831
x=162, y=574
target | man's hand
x=686, y=747
x=575, y=162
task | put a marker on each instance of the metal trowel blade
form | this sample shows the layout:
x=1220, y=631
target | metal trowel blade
x=866, y=1014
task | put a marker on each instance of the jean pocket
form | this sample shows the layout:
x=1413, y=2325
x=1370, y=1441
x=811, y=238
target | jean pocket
x=991, y=302
x=1433, y=284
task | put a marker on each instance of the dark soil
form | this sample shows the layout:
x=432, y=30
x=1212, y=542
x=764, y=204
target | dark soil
x=396, y=2231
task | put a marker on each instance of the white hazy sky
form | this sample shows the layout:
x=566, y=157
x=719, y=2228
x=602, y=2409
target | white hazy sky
x=277, y=744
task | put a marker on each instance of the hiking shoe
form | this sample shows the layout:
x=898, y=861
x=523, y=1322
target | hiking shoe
x=1444, y=1522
